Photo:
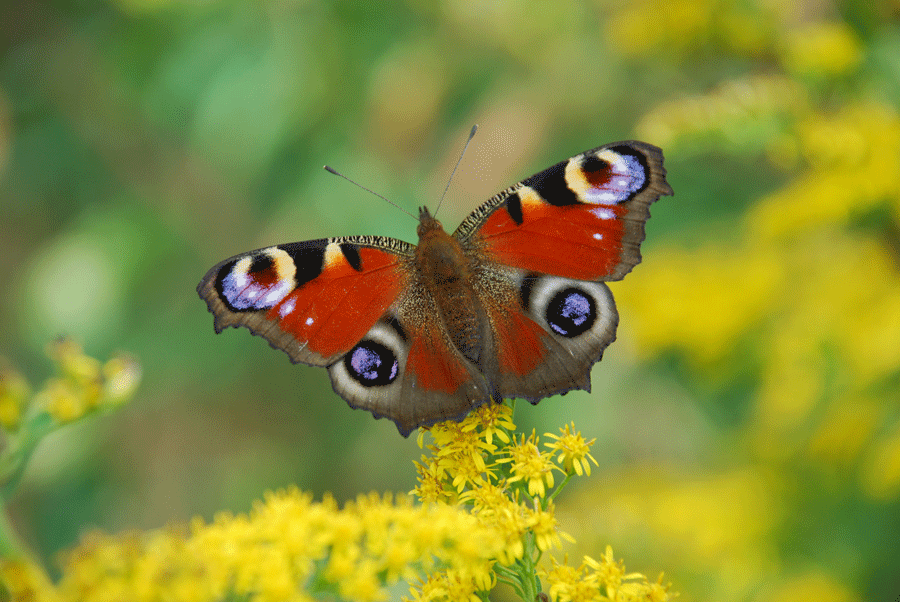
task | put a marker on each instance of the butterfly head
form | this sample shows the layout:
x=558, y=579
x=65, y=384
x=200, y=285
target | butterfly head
x=427, y=223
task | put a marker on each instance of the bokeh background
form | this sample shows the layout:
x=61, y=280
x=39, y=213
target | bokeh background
x=748, y=417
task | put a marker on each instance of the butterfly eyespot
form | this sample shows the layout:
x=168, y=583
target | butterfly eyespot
x=571, y=312
x=569, y=309
x=372, y=364
x=257, y=281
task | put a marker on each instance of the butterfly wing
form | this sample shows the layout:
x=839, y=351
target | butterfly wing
x=405, y=369
x=356, y=306
x=315, y=299
x=551, y=240
x=582, y=218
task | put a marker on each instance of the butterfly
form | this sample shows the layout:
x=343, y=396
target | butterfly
x=512, y=304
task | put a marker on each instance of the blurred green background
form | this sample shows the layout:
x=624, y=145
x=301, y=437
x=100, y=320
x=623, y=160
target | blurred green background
x=747, y=419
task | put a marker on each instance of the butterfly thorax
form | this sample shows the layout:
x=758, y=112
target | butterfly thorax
x=445, y=271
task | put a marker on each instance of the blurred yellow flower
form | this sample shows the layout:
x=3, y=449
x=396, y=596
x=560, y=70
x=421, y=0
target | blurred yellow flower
x=747, y=112
x=853, y=161
x=826, y=49
x=287, y=548
x=682, y=27
x=14, y=392
x=84, y=384
x=880, y=475
x=24, y=581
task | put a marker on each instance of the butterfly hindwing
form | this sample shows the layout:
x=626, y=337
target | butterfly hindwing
x=404, y=369
x=582, y=218
x=547, y=339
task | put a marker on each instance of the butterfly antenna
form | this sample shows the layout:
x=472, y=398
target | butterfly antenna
x=337, y=173
x=458, y=161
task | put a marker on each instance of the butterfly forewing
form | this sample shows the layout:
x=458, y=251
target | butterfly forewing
x=313, y=299
x=582, y=218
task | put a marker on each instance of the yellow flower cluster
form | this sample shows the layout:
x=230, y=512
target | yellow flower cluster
x=785, y=314
x=770, y=30
x=745, y=113
x=287, y=548
x=603, y=579
x=802, y=280
x=14, y=392
x=82, y=385
x=508, y=483
x=684, y=26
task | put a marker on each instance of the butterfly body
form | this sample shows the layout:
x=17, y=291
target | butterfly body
x=512, y=304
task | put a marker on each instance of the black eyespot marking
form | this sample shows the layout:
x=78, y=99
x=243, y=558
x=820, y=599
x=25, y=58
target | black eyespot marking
x=571, y=312
x=371, y=364
x=592, y=163
x=260, y=263
x=596, y=171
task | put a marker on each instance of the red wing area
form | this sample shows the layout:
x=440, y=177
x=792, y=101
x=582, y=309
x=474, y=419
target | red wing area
x=579, y=241
x=582, y=218
x=333, y=311
x=433, y=364
x=519, y=340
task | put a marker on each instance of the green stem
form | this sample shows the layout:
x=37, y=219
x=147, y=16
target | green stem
x=528, y=573
x=558, y=489
x=11, y=547
x=15, y=456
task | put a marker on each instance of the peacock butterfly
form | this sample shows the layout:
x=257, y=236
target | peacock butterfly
x=512, y=304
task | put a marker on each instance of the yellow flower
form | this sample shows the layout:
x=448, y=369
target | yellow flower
x=23, y=580
x=529, y=464
x=121, y=376
x=746, y=112
x=14, y=392
x=542, y=523
x=610, y=574
x=570, y=584
x=601, y=581
x=493, y=506
x=459, y=451
x=573, y=451
x=286, y=545
x=821, y=48
x=492, y=419
x=431, y=485
x=84, y=384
